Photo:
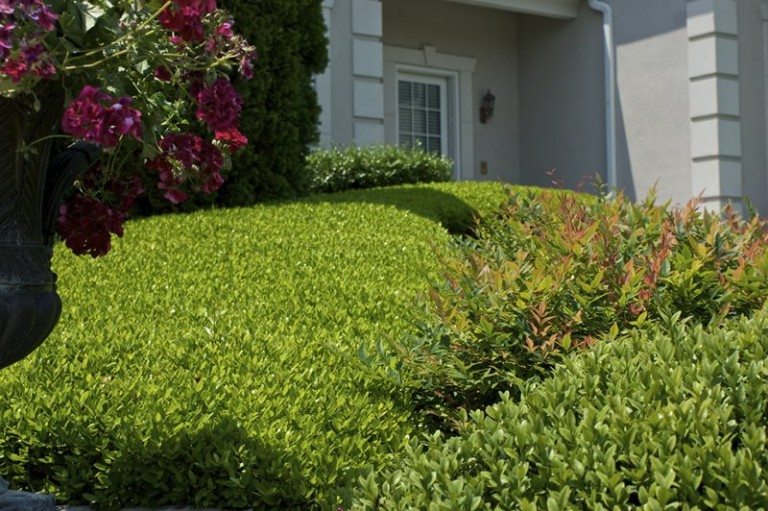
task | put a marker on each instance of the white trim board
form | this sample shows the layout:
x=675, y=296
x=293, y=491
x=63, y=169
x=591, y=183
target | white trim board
x=564, y=9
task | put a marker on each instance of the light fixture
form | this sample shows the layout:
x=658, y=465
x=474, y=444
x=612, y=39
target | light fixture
x=487, y=106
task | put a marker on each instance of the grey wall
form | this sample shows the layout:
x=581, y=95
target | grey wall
x=563, y=98
x=654, y=108
x=752, y=96
x=491, y=37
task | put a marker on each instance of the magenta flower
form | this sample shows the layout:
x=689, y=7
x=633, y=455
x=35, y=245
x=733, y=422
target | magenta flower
x=232, y=138
x=219, y=105
x=40, y=13
x=86, y=225
x=187, y=156
x=185, y=18
x=6, y=7
x=225, y=30
x=15, y=68
x=97, y=117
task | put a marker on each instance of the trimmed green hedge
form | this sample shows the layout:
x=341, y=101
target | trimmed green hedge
x=456, y=206
x=673, y=420
x=334, y=170
x=211, y=359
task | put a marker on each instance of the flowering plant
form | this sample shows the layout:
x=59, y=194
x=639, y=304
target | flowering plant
x=147, y=81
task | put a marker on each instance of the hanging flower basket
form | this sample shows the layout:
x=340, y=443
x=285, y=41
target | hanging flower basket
x=98, y=98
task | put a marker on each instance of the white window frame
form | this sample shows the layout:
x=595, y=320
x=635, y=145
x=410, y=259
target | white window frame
x=446, y=84
x=460, y=74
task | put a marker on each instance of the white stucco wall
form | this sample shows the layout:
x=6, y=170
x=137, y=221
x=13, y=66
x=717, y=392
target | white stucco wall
x=490, y=36
x=562, y=93
x=753, y=98
x=562, y=98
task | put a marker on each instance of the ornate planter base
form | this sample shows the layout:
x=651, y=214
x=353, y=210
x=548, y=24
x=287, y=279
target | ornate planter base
x=29, y=305
x=11, y=500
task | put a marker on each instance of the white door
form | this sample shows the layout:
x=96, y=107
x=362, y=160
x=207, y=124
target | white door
x=422, y=112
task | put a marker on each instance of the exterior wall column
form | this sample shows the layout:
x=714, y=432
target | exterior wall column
x=323, y=84
x=368, y=72
x=713, y=70
x=764, y=7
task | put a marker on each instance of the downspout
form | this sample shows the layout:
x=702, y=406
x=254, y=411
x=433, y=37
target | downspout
x=610, y=91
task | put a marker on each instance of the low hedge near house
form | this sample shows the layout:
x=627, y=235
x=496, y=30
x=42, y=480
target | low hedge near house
x=660, y=419
x=334, y=170
x=213, y=361
x=554, y=272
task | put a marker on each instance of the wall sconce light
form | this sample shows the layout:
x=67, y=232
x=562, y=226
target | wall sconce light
x=487, y=106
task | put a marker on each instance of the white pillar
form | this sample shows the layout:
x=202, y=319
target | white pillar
x=713, y=69
x=368, y=72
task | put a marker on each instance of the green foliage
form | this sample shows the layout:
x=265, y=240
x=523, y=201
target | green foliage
x=211, y=360
x=280, y=111
x=456, y=206
x=556, y=271
x=673, y=420
x=335, y=170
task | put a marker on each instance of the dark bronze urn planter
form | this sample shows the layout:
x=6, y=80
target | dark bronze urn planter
x=32, y=185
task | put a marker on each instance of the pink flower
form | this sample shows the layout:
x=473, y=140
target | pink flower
x=232, y=138
x=187, y=156
x=225, y=30
x=163, y=74
x=86, y=225
x=246, y=64
x=15, y=68
x=117, y=120
x=6, y=39
x=219, y=105
x=6, y=7
x=97, y=117
x=185, y=18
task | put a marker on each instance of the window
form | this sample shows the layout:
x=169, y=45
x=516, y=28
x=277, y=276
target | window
x=422, y=112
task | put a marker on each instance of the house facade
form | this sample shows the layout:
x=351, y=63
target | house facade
x=665, y=93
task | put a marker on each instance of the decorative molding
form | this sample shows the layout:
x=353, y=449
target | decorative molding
x=713, y=70
x=564, y=9
x=367, y=18
x=428, y=56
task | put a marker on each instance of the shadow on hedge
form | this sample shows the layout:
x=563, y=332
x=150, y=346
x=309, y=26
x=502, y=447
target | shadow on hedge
x=454, y=214
x=219, y=465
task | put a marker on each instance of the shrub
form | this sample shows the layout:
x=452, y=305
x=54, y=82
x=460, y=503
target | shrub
x=335, y=170
x=653, y=421
x=456, y=206
x=556, y=271
x=211, y=359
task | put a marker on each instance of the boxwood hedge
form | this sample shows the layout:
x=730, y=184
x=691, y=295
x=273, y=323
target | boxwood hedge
x=335, y=170
x=210, y=360
x=672, y=419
